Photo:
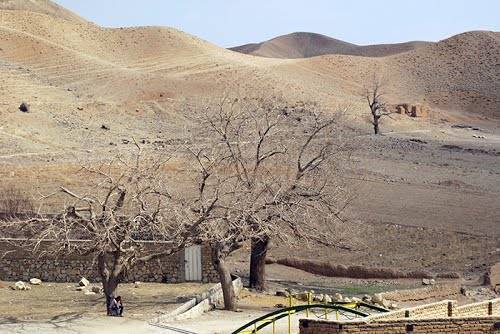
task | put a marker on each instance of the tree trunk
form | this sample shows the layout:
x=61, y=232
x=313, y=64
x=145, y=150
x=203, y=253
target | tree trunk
x=225, y=280
x=109, y=286
x=258, y=263
x=375, y=125
x=110, y=278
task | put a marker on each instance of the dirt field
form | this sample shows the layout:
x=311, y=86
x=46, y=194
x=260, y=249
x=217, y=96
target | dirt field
x=424, y=200
x=59, y=309
x=52, y=301
x=419, y=206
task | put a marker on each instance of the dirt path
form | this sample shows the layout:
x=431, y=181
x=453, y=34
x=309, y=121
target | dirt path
x=71, y=325
x=221, y=322
x=217, y=322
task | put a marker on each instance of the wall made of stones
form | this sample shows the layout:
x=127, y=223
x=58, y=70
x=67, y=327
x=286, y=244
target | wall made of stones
x=209, y=273
x=21, y=265
x=71, y=270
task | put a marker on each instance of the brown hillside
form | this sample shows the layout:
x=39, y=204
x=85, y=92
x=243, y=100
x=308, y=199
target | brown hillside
x=456, y=74
x=305, y=45
x=152, y=64
x=96, y=61
x=40, y=6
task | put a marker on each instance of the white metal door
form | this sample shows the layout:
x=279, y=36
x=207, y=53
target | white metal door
x=192, y=263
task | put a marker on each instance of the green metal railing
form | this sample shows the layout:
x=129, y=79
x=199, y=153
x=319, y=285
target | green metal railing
x=349, y=310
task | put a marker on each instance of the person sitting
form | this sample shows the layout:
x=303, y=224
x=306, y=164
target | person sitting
x=116, y=307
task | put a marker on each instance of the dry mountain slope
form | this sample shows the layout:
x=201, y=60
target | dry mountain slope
x=98, y=61
x=75, y=73
x=82, y=63
x=457, y=74
x=40, y=6
x=153, y=63
x=305, y=45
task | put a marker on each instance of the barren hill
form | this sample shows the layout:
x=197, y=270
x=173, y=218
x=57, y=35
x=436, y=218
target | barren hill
x=305, y=45
x=153, y=68
x=456, y=74
x=71, y=71
x=40, y=6
x=98, y=61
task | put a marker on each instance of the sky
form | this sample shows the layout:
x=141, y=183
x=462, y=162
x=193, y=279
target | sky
x=235, y=22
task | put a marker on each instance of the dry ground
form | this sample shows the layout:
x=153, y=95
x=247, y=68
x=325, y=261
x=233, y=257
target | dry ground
x=39, y=310
x=59, y=309
x=430, y=205
x=419, y=205
x=52, y=301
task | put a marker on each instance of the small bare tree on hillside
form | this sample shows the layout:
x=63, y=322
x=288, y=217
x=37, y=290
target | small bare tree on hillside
x=378, y=108
x=126, y=205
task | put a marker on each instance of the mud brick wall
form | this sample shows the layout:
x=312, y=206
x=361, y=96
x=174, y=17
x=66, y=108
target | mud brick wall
x=434, y=310
x=20, y=265
x=481, y=309
x=422, y=326
x=493, y=277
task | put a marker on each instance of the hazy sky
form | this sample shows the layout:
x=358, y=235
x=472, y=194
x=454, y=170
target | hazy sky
x=235, y=22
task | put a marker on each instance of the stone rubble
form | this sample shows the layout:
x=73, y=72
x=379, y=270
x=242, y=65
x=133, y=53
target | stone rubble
x=35, y=281
x=84, y=282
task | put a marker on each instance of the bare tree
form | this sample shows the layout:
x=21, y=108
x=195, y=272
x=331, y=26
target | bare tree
x=266, y=166
x=126, y=205
x=378, y=108
x=311, y=192
x=14, y=203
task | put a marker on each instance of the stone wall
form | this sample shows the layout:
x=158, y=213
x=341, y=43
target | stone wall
x=20, y=265
x=209, y=273
x=338, y=270
x=421, y=326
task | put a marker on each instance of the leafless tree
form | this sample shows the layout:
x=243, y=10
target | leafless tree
x=126, y=204
x=14, y=203
x=378, y=108
x=272, y=168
